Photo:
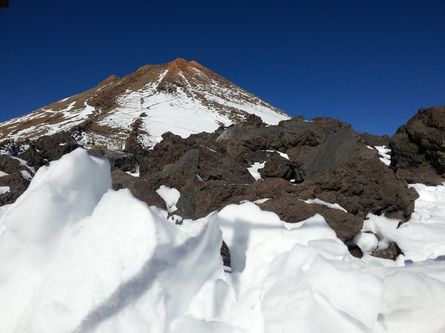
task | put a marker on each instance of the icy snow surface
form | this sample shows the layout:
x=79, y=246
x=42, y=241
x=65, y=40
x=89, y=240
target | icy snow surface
x=3, y=174
x=76, y=256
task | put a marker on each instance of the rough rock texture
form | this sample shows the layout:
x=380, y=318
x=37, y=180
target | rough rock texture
x=8, y=164
x=375, y=140
x=289, y=209
x=418, y=148
x=14, y=179
x=363, y=185
x=327, y=160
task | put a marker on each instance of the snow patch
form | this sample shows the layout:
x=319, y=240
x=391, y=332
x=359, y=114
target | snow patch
x=253, y=169
x=261, y=201
x=170, y=197
x=26, y=175
x=4, y=189
x=284, y=155
x=384, y=154
x=324, y=203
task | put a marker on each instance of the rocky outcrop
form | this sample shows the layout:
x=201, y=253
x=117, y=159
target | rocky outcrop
x=418, y=148
x=49, y=148
x=323, y=159
x=298, y=161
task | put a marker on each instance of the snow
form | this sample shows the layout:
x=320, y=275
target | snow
x=24, y=164
x=86, y=258
x=253, y=169
x=284, y=155
x=189, y=116
x=3, y=174
x=384, y=154
x=423, y=236
x=261, y=201
x=170, y=197
x=71, y=118
x=367, y=242
x=4, y=189
x=26, y=175
x=198, y=107
x=324, y=203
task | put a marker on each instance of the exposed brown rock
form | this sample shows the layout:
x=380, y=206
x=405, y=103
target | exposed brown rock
x=418, y=148
x=292, y=210
x=17, y=185
x=391, y=252
x=8, y=164
x=362, y=186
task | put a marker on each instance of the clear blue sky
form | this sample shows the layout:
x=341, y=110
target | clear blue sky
x=370, y=63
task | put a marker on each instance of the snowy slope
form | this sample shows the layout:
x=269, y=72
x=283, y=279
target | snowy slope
x=181, y=97
x=89, y=259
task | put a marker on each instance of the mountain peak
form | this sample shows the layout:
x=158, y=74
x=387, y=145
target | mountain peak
x=182, y=97
x=180, y=61
x=111, y=79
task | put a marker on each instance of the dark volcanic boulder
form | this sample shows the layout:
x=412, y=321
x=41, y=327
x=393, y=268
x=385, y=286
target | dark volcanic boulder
x=323, y=144
x=363, y=185
x=49, y=148
x=279, y=167
x=418, y=148
x=290, y=210
x=203, y=176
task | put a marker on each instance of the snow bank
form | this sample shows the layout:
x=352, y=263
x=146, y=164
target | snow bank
x=76, y=256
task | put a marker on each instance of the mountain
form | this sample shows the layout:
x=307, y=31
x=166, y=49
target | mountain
x=267, y=225
x=181, y=97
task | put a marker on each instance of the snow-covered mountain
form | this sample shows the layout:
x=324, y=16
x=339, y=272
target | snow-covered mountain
x=181, y=97
x=304, y=226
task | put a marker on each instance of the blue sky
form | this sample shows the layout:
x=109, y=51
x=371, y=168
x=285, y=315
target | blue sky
x=370, y=63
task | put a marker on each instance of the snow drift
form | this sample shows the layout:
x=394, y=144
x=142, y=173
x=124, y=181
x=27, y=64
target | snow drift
x=76, y=256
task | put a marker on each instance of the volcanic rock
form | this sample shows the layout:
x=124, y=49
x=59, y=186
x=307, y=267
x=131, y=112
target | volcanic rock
x=418, y=148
